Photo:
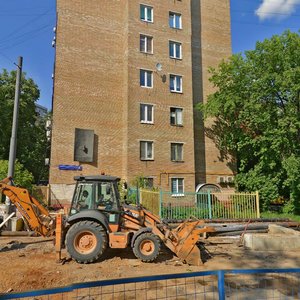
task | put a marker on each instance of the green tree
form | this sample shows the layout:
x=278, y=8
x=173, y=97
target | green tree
x=22, y=178
x=256, y=109
x=31, y=143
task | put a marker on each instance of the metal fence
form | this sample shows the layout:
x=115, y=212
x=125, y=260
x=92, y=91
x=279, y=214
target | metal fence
x=230, y=284
x=208, y=205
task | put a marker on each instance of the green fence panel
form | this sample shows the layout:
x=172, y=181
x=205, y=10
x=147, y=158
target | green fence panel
x=222, y=205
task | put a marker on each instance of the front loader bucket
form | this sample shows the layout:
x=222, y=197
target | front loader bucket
x=187, y=235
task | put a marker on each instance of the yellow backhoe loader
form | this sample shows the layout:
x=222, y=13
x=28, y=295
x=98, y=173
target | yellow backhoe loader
x=97, y=221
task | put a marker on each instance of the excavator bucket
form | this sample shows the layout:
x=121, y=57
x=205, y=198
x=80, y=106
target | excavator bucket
x=187, y=235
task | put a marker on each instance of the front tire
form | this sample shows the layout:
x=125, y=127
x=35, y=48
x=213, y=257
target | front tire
x=147, y=246
x=86, y=241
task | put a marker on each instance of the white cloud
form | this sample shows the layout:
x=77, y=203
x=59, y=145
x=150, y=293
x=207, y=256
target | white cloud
x=276, y=9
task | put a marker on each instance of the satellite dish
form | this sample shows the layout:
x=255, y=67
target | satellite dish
x=158, y=67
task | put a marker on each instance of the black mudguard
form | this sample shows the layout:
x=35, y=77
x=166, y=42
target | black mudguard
x=89, y=214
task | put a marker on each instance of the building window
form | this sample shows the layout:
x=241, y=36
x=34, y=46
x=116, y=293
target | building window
x=175, y=50
x=146, y=43
x=176, y=83
x=176, y=152
x=146, y=113
x=176, y=116
x=177, y=187
x=146, y=150
x=175, y=20
x=146, y=13
x=148, y=182
x=146, y=78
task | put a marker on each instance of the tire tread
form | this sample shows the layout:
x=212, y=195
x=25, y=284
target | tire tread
x=91, y=224
x=155, y=239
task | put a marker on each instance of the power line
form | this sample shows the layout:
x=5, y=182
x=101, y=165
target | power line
x=6, y=57
x=27, y=39
x=24, y=34
x=25, y=25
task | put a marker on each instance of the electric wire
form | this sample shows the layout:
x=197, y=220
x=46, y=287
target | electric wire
x=27, y=39
x=7, y=58
x=24, y=34
x=24, y=25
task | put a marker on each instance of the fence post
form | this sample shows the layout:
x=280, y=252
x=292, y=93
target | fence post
x=137, y=195
x=257, y=204
x=221, y=284
x=209, y=205
x=48, y=195
x=160, y=202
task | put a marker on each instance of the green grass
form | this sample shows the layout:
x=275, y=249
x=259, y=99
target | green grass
x=276, y=215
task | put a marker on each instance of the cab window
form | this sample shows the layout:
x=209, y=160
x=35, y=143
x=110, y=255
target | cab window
x=83, y=197
x=105, y=196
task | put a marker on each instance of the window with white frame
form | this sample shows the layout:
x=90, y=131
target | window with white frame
x=176, y=83
x=176, y=152
x=146, y=13
x=146, y=43
x=177, y=187
x=175, y=50
x=146, y=150
x=146, y=79
x=176, y=116
x=146, y=113
x=175, y=20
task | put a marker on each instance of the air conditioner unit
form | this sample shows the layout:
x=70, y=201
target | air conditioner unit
x=48, y=124
x=47, y=161
x=48, y=135
x=230, y=179
x=221, y=179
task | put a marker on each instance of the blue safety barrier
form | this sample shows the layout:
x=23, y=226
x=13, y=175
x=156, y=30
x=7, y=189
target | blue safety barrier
x=222, y=284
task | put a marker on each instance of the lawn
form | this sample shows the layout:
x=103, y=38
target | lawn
x=278, y=215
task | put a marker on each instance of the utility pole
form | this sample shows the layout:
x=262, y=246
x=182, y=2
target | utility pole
x=13, y=139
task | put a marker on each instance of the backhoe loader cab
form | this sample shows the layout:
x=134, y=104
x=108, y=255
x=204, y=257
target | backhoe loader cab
x=96, y=193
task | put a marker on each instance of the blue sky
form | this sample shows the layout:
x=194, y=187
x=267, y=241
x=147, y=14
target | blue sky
x=26, y=29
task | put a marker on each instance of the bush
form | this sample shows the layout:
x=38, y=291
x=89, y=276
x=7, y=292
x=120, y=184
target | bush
x=289, y=207
x=266, y=185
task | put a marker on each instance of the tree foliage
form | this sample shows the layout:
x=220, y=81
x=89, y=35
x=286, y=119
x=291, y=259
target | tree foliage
x=22, y=176
x=256, y=109
x=31, y=139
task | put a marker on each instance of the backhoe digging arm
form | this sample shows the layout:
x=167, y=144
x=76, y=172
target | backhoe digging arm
x=36, y=216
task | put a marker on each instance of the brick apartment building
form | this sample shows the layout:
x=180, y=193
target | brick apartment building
x=131, y=72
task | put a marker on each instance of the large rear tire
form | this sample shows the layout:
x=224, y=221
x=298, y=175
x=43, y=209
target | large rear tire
x=147, y=246
x=86, y=241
